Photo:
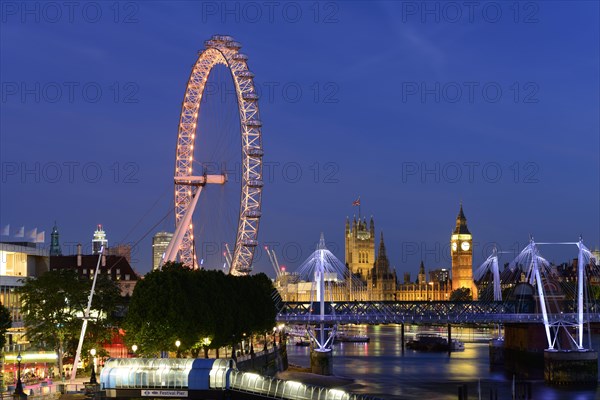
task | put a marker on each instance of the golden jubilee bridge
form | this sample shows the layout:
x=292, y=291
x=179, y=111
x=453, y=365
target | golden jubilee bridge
x=431, y=312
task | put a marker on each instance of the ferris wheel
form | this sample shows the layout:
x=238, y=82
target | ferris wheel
x=219, y=50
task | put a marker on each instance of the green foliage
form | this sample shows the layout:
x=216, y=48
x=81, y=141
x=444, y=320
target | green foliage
x=197, y=307
x=594, y=292
x=54, y=303
x=5, y=322
x=461, y=294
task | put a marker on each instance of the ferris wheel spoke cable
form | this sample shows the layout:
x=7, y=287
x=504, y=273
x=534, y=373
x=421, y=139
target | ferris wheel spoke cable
x=145, y=215
x=220, y=108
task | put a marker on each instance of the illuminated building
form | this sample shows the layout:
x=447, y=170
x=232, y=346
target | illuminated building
x=461, y=250
x=99, y=240
x=378, y=279
x=441, y=275
x=381, y=281
x=360, y=247
x=160, y=242
x=18, y=261
x=421, y=290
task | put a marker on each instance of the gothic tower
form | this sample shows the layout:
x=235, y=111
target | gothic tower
x=461, y=250
x=422, y=277
x=360, y=246
x=381, y=284
x=382, y=264
x=55, y=249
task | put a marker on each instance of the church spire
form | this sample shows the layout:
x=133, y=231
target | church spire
x=55, y=249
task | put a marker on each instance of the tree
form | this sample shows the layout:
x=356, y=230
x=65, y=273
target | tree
x=5, y=323
x=202, y=309
x=53, y=307
x=461, y=294
x=162, y=310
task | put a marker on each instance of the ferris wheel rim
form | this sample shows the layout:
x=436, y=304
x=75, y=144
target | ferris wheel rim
x=223, y=50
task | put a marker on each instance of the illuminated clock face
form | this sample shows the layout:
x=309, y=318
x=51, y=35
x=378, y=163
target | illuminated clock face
x=465, y=246
x=454, y=246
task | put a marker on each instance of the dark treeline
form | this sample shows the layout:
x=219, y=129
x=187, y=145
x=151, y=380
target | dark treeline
x=200, y=308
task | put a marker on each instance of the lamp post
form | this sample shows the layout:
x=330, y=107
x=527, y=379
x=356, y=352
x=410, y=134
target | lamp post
x=19, y=389
x=280, y=328
x=134, y=349
x=93, y=376
x=244, y=344
x=177, y=344
x=205, y=343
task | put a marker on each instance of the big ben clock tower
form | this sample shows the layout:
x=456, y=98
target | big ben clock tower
x=461, y=249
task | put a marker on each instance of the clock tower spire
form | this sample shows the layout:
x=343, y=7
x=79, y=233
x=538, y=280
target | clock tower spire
x=461, y=250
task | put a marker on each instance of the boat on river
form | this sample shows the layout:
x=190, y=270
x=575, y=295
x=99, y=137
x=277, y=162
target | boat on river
x=433, y=342
x=344, y=337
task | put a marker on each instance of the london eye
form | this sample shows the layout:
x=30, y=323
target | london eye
x=192, y=177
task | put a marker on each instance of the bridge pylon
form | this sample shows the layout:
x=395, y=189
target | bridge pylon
x=566, y=362
x=322, y=268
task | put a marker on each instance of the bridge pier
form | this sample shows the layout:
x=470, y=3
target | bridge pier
x=402, y=336
x=524, y=345
x=525, y=354
x=496, y=352
x=564, y=367
x=449, y=339
x=321, y=362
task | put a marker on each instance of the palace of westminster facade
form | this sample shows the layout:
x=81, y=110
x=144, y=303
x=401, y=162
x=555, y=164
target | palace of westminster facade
x=373, y=279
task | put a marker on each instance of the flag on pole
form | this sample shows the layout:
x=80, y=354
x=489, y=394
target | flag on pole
x=32, y=234
x=356, y=202
x=6, y=230
x=41, y=237
x=20, y=232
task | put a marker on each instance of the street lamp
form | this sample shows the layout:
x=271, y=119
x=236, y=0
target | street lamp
x=280, y=328
x=19, y=388
x=134, y=349
x=177, y=344
x=93, y=376
x=206, y=342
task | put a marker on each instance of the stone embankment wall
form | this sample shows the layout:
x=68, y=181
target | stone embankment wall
x=265, y=362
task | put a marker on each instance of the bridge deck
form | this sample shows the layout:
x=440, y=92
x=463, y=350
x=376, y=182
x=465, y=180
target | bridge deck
x=429, y=312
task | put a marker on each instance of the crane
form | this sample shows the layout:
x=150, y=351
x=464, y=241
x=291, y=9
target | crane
x=86, y=317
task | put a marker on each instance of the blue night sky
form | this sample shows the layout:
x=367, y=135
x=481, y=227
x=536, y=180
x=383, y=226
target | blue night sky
x=412, y=109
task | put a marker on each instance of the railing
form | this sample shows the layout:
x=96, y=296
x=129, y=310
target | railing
x=428, y=312
x=261, y=353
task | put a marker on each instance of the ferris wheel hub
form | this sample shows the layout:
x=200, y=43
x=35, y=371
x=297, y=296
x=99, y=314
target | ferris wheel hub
x=201, y=180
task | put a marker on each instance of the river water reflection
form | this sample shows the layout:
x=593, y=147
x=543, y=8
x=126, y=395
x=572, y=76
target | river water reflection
x=381, y=369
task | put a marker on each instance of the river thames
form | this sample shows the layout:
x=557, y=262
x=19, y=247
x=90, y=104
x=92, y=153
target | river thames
x=380, y=369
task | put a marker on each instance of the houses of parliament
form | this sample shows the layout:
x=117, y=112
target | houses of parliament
x=370, y=277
